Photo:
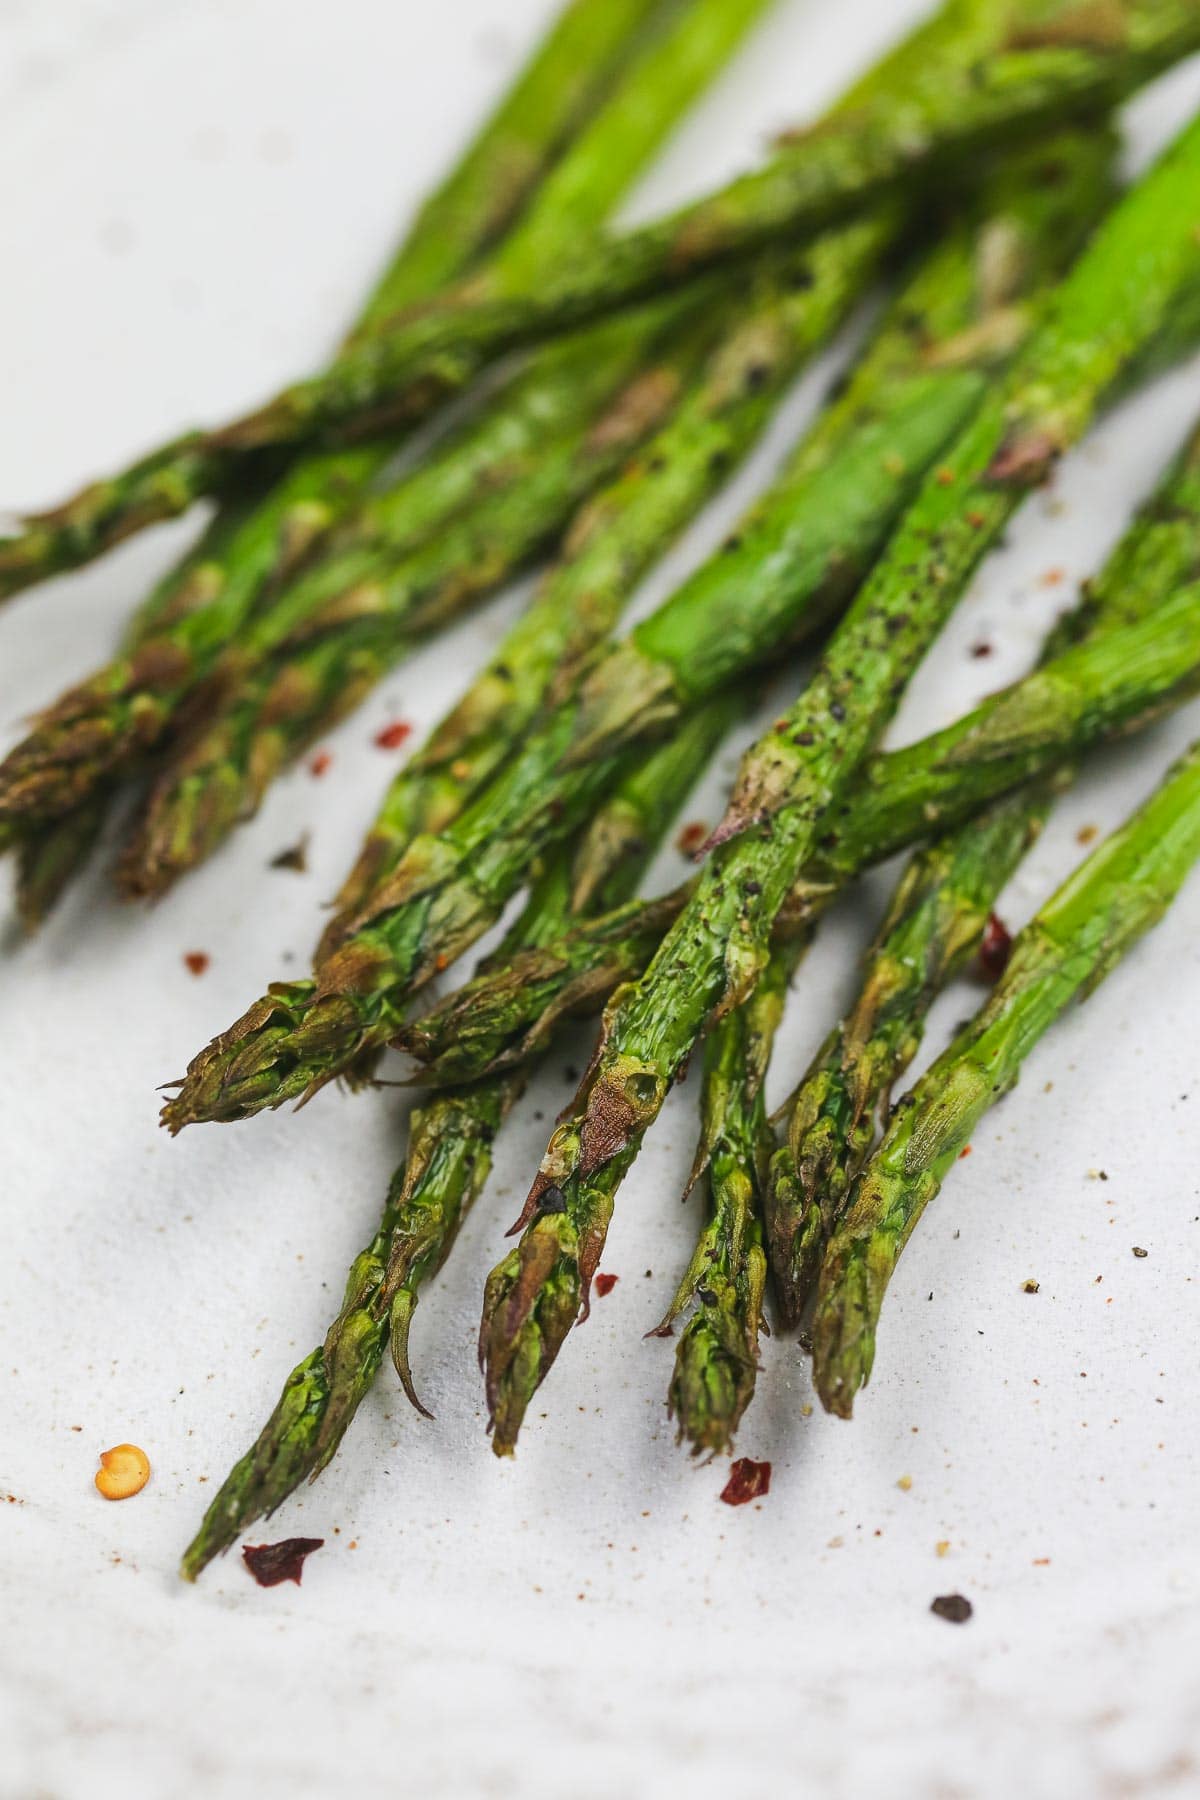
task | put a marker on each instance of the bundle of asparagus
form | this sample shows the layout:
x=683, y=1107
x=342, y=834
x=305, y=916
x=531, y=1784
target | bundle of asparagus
x=971, y=169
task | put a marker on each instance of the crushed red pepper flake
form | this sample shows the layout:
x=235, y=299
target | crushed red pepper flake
x=748, y=1480
x=965, y=1151
x=272, y=1563
x=196, y=961
x=319, y=764
x=393, y=735
x=691, y=838
x=1054, y=577
x=605, y=1284
x=954, y=1608
x=995, y=948
x=981, y=650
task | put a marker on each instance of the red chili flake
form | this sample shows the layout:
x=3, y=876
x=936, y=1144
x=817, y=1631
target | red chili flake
x=981, y=650
x=953, y=1607
x=996, y=948
x=606, y=1283
x=1054, y=577
x=319, y=764
x=393, y=735
x=748, y=1480
x=691, y=838
x=945, y=477
x=965, y=1151
x=272, y=1563
x=196, y=961
x=976, y=520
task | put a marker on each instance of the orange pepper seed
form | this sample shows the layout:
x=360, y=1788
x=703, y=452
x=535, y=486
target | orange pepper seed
x=124, y=1470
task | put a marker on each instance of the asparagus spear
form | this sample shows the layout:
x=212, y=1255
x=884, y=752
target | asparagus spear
x=993, y=74
x=1117, y=298
x=96, y=728
x=448, y=1161
x=794, y=559
x=938, y=916
x=326, y=644
x=1121, y=890
x=1123, y=681
x=716, y=1358
x=569, y=76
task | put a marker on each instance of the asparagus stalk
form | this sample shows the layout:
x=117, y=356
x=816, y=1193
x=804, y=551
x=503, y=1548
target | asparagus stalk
x=449, y=1158
x=321, y=650
x=795, y=558
x=98, y=727
x=1121, y=890
x=1122, y=682
x=938, y=916
x=569, y=76
x=993, y=74
x=716, y=1358
x=1118, y=297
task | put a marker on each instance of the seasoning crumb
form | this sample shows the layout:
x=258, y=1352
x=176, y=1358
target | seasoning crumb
x=748, y=1480
x=295, y=857
x=196, y=961
x=1087, y=834
x=904, y=1483
x=942, y=1547
x=393, y=735
x=692, y=838
x=1138, y=1251
x=1054, y=577
x=965, y=1151
x=272, y=1563
x=979, y=651
x=319, y=764
x=954, y=1608
x=995, y=948
x=1031, y=1286
x=124, y=1471
x=806, y=1410
x=606, y=1283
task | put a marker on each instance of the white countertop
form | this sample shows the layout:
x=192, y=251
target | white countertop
x=194, y=197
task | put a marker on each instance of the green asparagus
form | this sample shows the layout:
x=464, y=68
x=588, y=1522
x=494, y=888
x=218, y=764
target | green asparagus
x=716, y=1359
x=449, y=1158
x=1120, y=683
x=1066, y=950
x=795, y=558
x=1118, y=297
x=994, y=73
x=938, y=916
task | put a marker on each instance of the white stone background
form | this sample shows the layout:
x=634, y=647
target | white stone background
x=192, y=197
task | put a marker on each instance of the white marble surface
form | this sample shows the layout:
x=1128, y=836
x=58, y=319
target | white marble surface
x=193, y=197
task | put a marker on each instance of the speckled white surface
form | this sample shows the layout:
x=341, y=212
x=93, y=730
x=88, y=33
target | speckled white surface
x=194, y=195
